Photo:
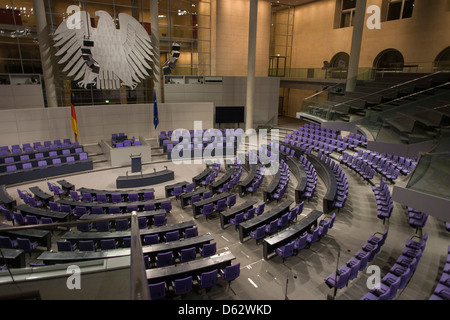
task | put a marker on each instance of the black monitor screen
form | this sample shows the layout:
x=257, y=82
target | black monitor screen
x=229, y=114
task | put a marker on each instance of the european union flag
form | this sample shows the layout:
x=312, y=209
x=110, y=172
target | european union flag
x=155, y=111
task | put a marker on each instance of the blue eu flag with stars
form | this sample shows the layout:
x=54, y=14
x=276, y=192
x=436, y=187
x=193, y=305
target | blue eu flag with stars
x=155, y=111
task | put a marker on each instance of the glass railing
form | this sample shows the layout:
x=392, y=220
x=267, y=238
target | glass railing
x=326, y=105
x=432, y=172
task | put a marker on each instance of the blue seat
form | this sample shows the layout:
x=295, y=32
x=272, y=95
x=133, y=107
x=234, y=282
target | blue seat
x=108, y=244
x=238, y=219
x=150, y=239
x=87, y=245
x=208, y=279
x=6, y=242
x=159, y=220
x=188, y=254
x=157, y=290
x=208, y=249
x=190, y=232
x=231, y=201
x=26, y=245
x=182, y=286
x=65, y=246
x=272, y=227
x=250, y=213
x=286, y=250
x=114, y=210
x=259, y=233
x=207, y=209
x=177, y=191
x=172, y=236
x=142, y=222
x=122, y=224
x=164, y=259
x=221, y=205
x=166, y=205
x=230, y=273
x=301, y=242
x=102, y=226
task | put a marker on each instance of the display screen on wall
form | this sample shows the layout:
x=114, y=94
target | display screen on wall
x=229, y=114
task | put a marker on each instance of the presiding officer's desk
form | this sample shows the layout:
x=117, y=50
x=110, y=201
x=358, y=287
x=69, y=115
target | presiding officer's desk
x=192, y=268
x=246, y=227
x=287, y=235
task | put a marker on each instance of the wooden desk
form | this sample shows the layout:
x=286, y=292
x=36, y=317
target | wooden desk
x=186, y=197
x=123, y=193
x=267, y=193
x=198, y=205
x=14, y=258
x=287, y=235
x=122, y=205
x=191, y=268
x=6, y=199
x=42, y=237
x=226, y=216
x=176, y=246
x=169, y=188
x=40, y=194
x=74, y=237
x=148, y=214
x=66, y=186
x=56, y=216
x=246, y=227
x=198, y=178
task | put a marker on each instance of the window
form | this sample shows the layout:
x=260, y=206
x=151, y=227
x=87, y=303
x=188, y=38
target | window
x=347, y=13
x=399, y=9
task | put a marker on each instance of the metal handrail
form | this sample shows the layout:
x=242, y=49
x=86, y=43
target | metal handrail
x=138, y=279
x=387, y=89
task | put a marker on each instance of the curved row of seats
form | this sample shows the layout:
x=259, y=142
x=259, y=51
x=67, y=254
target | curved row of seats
x=442, y=289
x=311, y=173
x=37, y=146
x=277, y=224
x=204, y=280
x=385, y=205
x=417, y=219
x=358, y=262
x=341, y=182
x=306, y=239
x=401, y=272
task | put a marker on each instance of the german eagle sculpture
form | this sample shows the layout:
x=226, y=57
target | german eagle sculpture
x=105, y=56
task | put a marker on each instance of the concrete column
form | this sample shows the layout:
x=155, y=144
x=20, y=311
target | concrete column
x=46, y=53
x=155, y=44
x=358, y=27
x=251, y=64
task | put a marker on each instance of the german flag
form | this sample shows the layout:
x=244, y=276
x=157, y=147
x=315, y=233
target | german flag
x=73, y=117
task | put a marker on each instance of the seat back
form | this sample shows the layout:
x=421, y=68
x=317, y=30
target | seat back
x=208, y=249
x=86, y=245
x=150, y=239
x=114, y=210
x=182, y=286
x=157, y=290
x=208, y=279
x=188, y=254
x=64, y=245
x=108, y=244
x=159, y=220
x=164, y=259
x=232, y=272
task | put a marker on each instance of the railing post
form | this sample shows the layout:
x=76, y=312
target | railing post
x=138, y=279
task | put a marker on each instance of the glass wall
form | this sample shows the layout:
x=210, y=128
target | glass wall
x=186, y=22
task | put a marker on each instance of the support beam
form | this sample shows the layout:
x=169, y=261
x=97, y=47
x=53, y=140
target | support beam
x=46, y=53
x=155, y=44
x=251, y=65
x=355, y=51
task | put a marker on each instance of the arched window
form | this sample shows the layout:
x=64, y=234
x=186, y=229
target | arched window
x=442, y=61
x=340, y=60
x=389, y=59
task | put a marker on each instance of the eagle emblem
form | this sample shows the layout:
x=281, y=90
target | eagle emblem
x=105, y=56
